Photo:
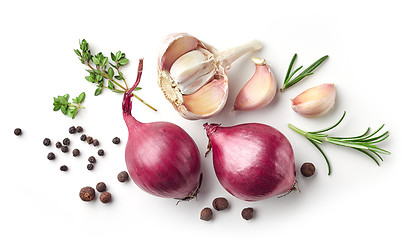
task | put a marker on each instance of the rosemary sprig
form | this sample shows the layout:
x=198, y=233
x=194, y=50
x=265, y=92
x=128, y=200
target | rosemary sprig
x=288, y=81
x=365, y=143
x=100, y=70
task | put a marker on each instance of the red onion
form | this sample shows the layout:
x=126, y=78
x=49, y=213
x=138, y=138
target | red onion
x=162, y=159
x=252, y=161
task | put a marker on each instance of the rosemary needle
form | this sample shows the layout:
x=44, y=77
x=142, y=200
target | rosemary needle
x=288, y=81
x=365, y=143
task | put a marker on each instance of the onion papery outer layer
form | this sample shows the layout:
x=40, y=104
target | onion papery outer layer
x=162, y=159
x=252, y=161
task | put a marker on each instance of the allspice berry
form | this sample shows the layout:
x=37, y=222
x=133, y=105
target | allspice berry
x=87, y=194
x=79, y=129
x=307, y=169
x=220, y=203
x=46, y=142
x=17, y=131
x=58, y=144
x=206, y=214
x=105, y=197
x=123, y=176
x=101, y=187
x=89, y=140
x=247, y=213
x=66, y=141
x=95, y=142
x=76, y=152
x=101, y=152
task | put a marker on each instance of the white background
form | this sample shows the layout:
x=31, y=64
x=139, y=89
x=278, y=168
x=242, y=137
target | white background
x=359, y=199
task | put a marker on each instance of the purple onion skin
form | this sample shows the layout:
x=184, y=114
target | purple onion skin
x=162, y=159
x=252, y=161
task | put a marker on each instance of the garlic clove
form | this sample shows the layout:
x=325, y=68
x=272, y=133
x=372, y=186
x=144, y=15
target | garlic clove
x=193, y=70
x=259, y=91
x=316, y=101
x=208, y=100
x=186, y=66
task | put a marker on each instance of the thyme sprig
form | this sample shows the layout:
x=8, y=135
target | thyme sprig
x=288, y=81
x=365, y=143
x=101, y=69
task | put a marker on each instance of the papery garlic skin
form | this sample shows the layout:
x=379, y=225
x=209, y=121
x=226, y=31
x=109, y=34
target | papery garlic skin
x=316, y=101
x=259, y=91
x=192, y=74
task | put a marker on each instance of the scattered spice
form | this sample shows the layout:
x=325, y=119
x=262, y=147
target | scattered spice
x=17, y=131
x=65, y=149
x=92, y=159
x=46, y=142
x=105, y=197
x=51, y=156
x=307, y=169
x=89, y=140
x=63, y=168
x=101, y=152
x=72, y=130
x=206, y=214
x=220, y=203
x=83, y=137
x=101, y=187
x=123, y=176
x=95, y=142
x=87, y=194
x=79, y=129
x=90, y=166
x=116, y=140
x=58, y=144
x=66, y=141
x=247, y=213
x=76, y=152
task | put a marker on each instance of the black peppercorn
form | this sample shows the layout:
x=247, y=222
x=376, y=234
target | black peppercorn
x=17, y=131
x=46, y=142
x=65, y=149
x=63, y=168
x=90, y=166
x=83, y=137
x=101, y=152
x=72, y=130
x=206, y=214
x=87, y=194
x=307, y=169
x=95, y=142
x=101, y=187
x=66, y=141
x=89, y=140
x=116, y=140
x=79, y=129
x=220, y=203
x=123, y=176
x=51, y=156
x=247, y=213
x=58, y=144
x=105, y=197
x=76, y=152
x=92, y=159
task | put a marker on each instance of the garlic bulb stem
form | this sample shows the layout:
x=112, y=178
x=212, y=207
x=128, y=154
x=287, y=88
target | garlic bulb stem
x=227, y=57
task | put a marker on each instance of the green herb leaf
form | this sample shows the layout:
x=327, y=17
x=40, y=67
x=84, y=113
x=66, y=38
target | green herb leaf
x=64, y=109
x=118, y=55
x=98, y=78
x=57, y=107
x=77, y=52
x=113, y=57
x=81, y=97
x=62, y=100
x=123, y=61
x=110, y=85
x=90, y=79
x=98, y=91
x=95, y=60
x=111, y=73
x=104, y=61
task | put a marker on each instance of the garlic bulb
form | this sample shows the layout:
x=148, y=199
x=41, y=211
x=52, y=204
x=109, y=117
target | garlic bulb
x=315, y=101
x=192, y=74
x=259, y=90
